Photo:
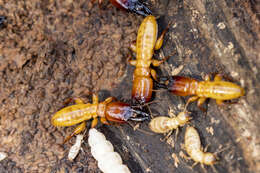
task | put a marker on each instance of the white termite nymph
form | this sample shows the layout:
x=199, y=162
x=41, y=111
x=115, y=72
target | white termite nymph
x=194, y=149
x=74, y=150
x=165, y=124
x=103, y=151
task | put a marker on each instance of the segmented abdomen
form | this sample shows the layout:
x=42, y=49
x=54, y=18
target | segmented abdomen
x=74, y=114
x=159, y=125
x=146, y=38
x=192, y=141
x=220, y=90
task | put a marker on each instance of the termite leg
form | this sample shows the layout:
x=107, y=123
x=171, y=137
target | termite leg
x=186, y=157
x=218, y=77
x=172, y=115
x=192, y=99
x=176, y=134
x=214, y=169
x=156, y=63
x=76, y=100
x=133, y=46
x=159, y=41
x=167, y=136
x=159, y=62
x=132, y=62
x=76, y=131
x=202, y=166
x=194, y=164
x=95, y=99
x=206, y=148
x=94, y=122
x=109, y=99
x=104, y=120
x=207, y=78
x=219, y=102
x=200, y=103
x=153, y=73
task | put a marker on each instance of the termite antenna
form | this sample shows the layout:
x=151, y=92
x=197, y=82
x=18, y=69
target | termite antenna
x=140, y=130
x=145, y=104
x=221, y=150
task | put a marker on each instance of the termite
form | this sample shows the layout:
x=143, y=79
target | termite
x=201, y=90
x=194, y=149
x=164, y=124
x=107, y=111
x=146, y=43
x=102, y=150
x=74, y=150
x=129, y=5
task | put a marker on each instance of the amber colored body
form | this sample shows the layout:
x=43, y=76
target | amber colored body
x=145, y=44
x=165, y=124
x=130, y=5
x=217, y=89
x=194, y=149
x=107, y=110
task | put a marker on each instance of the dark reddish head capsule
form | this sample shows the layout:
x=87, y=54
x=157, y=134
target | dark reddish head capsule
x=121, y=112
x=133, y=6
x=178, y=85
x=181, y=86
x=142, y=90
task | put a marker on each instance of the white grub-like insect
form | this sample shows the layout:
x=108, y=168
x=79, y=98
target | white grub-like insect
x=103, y=151
x=194, y=149
x=74, y=150
x=164, y=124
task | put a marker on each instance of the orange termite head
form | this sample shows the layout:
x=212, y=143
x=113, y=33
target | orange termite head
x=142, y=90
x=121, y=112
